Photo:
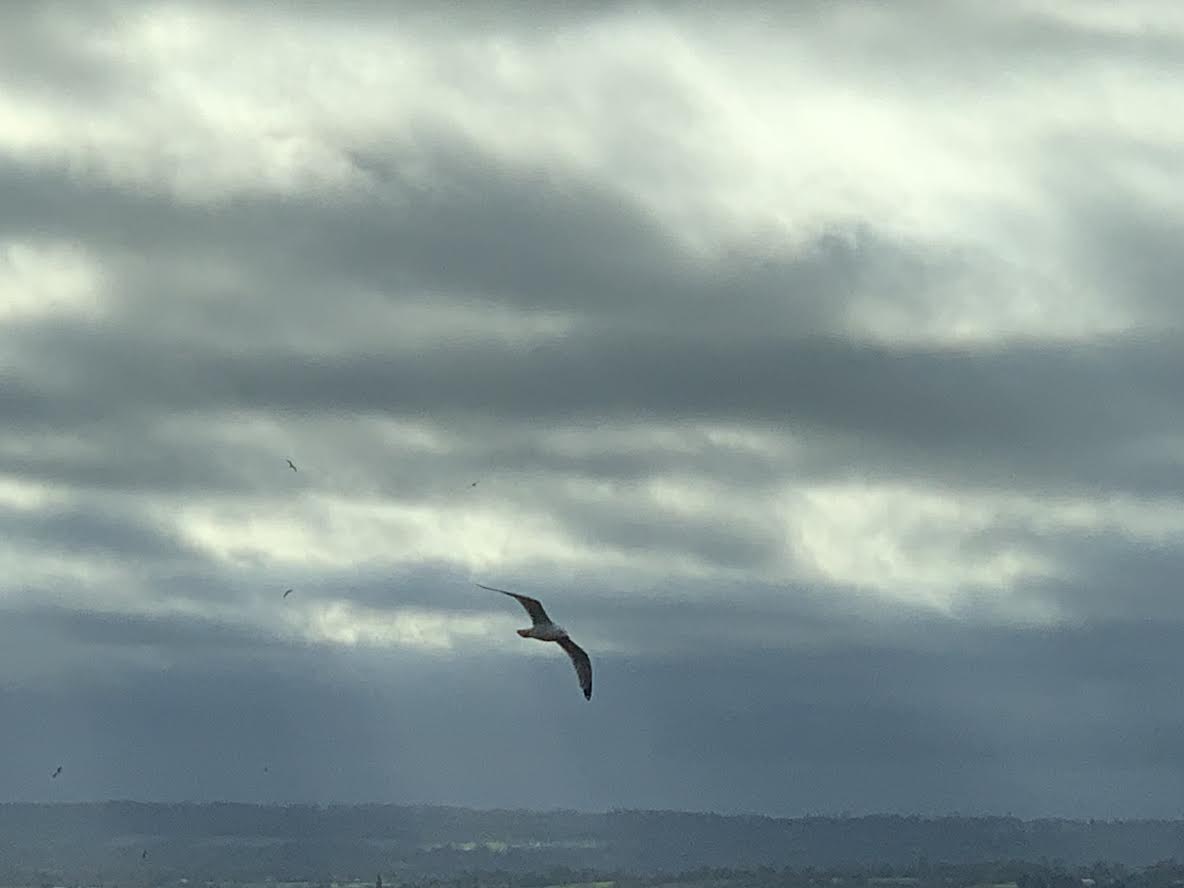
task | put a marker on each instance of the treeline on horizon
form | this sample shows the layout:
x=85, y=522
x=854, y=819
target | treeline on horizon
x=243, y=842
x=1005, y=874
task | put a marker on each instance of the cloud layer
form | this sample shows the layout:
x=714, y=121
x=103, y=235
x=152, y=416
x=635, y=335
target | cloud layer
x=819, y=368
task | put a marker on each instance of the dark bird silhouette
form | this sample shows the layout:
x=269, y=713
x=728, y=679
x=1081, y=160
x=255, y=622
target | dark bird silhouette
x=286, y=594
x=544, y=629
x=144, y=856
x=57, y=771
x=474, y=484
x=291, y=465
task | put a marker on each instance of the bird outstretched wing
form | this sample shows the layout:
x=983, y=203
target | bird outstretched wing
x=579, y=659
x=532, y=605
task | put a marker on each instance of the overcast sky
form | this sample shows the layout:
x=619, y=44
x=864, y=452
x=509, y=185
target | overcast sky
x=821, y=369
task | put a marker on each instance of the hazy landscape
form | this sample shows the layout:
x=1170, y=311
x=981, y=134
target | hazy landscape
x=224, y=843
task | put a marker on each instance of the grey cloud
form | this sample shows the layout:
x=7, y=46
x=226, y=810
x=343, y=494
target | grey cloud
x=1112, y=575
x=1003, y=406
x=118, y=638
x=52, y=57
x=626, y=524
x=1131, y=248
x=706, y=368
x=536, y=239
x=959, y=35
x=605, y=370
x=970, y=43
x=96, y=530
x=130, y=456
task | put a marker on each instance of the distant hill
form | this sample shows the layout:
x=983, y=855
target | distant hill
x=57, y=843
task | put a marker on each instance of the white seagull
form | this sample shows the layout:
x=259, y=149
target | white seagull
x=544, y=630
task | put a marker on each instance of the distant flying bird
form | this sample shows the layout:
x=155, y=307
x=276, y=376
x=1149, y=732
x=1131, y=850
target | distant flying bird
x=544, y=630
x=474, y=484
x=291, y=465
x=286, y=594
x=58, y=771
x=144, y=856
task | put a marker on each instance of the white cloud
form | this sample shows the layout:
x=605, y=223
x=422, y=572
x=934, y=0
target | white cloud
x=40, y=280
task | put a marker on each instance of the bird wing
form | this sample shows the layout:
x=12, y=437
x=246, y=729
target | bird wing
x=286, y=594
x=532, y=605
x=579, y=659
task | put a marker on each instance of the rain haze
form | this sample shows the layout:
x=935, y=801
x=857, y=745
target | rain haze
x=819, y=366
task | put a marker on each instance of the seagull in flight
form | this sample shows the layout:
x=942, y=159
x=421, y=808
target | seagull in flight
x=292, y=465
x=544, y=630
x=56, y=772
x=286, y=594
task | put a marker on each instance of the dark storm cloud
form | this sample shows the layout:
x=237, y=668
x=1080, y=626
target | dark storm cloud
x=1060, y=413
x=500, y=230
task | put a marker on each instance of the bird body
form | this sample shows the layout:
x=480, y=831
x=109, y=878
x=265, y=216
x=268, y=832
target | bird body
x=291, y=465
x=543, y=628
x=544, y=632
